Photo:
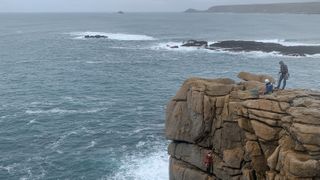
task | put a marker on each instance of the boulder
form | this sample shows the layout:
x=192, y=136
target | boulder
x=253, y=85
x=273, y=159
x=254, y=77
x=307, y=115
x=264, y=131
x=306, y=133
x=253, y=148
x=233, y=157
x=245, y=124
x=301, y=166
x=179, y=170
x=178, y=123
x=264, y=104
x=189, y=153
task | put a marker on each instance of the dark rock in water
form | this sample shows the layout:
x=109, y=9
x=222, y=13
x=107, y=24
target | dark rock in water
x=195, y=43
x=120, y=12
x=95, y=36
x=190, y=10
x=174, y=47
x=248, y=46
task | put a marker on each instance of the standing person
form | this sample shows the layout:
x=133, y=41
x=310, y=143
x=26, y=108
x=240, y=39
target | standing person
x=208, y=162
x=284, y=75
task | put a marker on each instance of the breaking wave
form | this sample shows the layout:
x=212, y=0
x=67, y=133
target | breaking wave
x=168, y=47
x=287, y=42
x=144, y=167
x=113, y=36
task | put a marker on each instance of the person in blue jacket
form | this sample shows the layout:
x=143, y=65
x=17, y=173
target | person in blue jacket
x=269, y=87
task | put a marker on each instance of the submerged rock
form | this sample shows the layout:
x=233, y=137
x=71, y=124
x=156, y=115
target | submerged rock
x=254, y=77
x=256, y=46
x=195, y=43
x=251, y=136
x=95, y=36
x=174, y=47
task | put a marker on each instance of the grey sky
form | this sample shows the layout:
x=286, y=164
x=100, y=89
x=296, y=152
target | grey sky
x=115, y=5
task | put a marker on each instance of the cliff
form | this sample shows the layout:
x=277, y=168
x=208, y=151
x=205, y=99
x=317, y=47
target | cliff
x=251, y=136
x=294, y=8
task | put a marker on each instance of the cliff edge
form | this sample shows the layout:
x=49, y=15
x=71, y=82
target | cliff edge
x=252, y=136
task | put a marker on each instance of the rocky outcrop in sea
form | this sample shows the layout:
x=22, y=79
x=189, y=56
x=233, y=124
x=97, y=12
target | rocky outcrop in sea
x=95, y=36
x=252, y=136
x=255, y=46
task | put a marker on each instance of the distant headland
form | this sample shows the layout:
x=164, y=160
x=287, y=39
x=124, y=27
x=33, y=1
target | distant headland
x=276, y=8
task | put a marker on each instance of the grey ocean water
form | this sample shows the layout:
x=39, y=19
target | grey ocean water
x=73, y=108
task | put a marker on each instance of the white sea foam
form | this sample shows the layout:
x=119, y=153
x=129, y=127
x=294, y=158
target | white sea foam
x=256, y=53
x=94, y=62
x=30, y=174
x=314, y=56
x=61, y=139
x=152, y=166
x=10, y=168
x=40, y=103
x=92, y=144
x=51, y=111
x=260, y=54
x=140, y=130
x=32, y=121
x=167, y=47
x=287, y=43
x=64, y=111
x=141, y=144
x=114, y=36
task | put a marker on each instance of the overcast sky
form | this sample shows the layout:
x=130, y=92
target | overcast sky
x=116, y=5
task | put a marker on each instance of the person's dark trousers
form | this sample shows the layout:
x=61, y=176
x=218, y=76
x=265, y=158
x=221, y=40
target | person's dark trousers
x=282, y=77
x=210, y=169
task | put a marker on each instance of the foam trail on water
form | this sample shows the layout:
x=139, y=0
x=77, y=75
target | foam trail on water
x=286, y=43
x=64, y=111
x=168, y=47
x=313, y=56
x=114, y=36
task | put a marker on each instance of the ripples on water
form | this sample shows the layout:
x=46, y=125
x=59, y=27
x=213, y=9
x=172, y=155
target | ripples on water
x=72, y=108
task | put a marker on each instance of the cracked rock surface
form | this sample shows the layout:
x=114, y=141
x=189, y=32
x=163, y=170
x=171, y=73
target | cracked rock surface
x=252, y=136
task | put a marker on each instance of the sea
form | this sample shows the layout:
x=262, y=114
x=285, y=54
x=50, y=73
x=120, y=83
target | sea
x=94, y=108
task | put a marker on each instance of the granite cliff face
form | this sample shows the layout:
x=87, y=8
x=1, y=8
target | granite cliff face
x=252, y=136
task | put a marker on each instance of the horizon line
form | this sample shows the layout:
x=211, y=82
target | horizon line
x=107, y=12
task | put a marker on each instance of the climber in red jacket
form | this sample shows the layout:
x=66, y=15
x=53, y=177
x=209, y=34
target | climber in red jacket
x=208, y=162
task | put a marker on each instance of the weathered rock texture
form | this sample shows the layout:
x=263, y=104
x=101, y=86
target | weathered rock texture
x=252, y=136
